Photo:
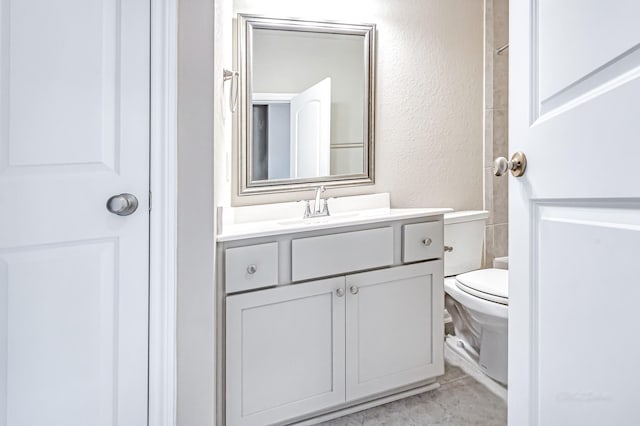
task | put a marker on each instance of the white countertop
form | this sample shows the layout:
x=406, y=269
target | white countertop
x=284, y=218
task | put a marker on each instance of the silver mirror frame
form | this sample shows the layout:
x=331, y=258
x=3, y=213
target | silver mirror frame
x=245, y=25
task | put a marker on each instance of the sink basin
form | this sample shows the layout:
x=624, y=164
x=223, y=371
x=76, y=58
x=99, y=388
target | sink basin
x=322, y=219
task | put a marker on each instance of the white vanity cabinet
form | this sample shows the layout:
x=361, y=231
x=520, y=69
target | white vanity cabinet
x=307, y=345
x=393, y=328
x=285, y=352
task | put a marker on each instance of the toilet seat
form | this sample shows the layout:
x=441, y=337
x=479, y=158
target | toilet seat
x=487, y=284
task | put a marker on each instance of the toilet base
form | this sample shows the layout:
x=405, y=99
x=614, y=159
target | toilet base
x=493, y=359
x=494, y=353
x=470, y=367
x=463, y=350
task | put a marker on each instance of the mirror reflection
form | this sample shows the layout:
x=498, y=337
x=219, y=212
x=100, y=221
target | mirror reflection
x=308, y=104
x=307, y=100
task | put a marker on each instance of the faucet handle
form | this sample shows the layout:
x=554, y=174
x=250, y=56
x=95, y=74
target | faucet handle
x=325, y=207
x=307, y=208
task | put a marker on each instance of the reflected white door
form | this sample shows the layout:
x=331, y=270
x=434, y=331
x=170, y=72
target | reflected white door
x=311, y=131
x=574, y=217
x=74, y=130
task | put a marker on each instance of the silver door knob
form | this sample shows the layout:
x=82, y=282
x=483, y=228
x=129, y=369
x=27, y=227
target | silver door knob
x=340, y=292
x=251, y=269
x=122, y=204
x=427, y=242
x=517, y=165
x=353, y=289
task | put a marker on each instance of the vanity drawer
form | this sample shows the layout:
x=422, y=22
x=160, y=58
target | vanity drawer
x=251, y=267
x=422, y=241
x=339, y=253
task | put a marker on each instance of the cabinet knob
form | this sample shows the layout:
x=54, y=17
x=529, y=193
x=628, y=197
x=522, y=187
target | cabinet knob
x=427, y=242
x=448, y=248
x=252, y=269
x=353, y=289
x=340, y=292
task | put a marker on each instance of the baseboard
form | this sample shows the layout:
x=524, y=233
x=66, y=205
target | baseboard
x=366, y=405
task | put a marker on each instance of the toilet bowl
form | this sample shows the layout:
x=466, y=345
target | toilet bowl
x=478, y=304
x=476, y=299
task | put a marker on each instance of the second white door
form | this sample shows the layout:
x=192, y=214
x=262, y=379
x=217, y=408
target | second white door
x=74, y=130
x=311, y=131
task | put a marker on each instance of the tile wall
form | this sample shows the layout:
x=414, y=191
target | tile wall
x=496, y=75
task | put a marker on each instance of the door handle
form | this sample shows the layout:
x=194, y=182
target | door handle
x=122, y=204
x=517, y=165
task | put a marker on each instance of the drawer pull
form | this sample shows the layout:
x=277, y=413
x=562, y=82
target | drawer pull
x=353, y=289
x=427, y=242
x=448, y=248
x=340, y=292
x=252, y=269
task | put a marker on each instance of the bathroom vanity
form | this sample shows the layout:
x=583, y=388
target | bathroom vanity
x=318, y=315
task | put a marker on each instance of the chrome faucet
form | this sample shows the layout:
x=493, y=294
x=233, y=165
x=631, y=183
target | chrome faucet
x=317, y=211
x=316, y=205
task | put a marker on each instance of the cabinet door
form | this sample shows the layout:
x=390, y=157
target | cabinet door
x=285, y=352
x=394, y=328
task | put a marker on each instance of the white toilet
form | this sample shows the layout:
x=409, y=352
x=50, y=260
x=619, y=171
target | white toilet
x=477, y=299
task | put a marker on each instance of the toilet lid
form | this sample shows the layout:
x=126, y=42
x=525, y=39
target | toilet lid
x=490, y=284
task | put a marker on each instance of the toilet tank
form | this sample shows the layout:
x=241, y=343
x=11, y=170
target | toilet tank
x=464, y=232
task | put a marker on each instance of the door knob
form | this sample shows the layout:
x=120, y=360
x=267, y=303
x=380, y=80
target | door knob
x=122, y=204
x=517, y=165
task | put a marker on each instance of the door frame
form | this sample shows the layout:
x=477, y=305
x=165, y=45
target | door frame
x=163, y=158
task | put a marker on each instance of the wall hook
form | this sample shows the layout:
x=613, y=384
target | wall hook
x=234, y=76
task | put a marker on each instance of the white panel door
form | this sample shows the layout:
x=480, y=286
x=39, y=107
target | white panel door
x=311, y=131
x=74, y=130
x=394, y=328
x=285, y=352
x=574, y=219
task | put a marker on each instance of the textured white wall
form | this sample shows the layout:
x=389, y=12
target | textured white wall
x=429, y=91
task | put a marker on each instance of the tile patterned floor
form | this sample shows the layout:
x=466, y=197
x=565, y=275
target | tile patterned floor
x=460, y=401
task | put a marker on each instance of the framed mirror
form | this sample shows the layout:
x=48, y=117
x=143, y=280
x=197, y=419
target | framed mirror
x=306, y=104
